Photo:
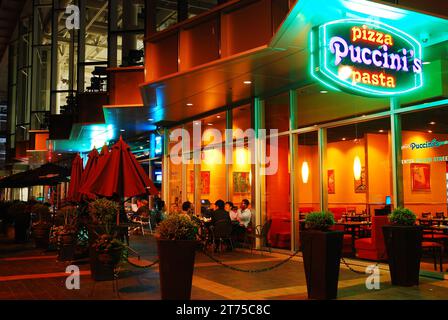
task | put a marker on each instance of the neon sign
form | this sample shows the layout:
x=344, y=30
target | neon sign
x=426, y=145
x=366, y=57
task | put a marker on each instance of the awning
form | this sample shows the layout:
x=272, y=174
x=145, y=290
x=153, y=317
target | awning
x=46, y=175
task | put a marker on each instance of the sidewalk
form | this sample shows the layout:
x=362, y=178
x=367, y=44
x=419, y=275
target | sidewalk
x=27, y=273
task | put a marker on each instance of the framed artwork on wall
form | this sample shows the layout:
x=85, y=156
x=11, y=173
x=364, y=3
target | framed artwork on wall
x=205, y=182
x=241, y=182
x=331, y=182
x=420, y=177
x=361, y=184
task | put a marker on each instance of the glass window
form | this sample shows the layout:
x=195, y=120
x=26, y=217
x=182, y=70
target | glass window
x=277, y=196
x=359, y=175
x=277, y=112
x=425, y=162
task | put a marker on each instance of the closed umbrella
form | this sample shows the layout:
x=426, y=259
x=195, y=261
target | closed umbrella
x=96, y=164
x=122, y=175
x=89, y=170
x=75, y=180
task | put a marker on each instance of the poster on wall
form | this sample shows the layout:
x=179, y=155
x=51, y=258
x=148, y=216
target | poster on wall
x=331, y=182
x=421, y=176
x=241, y=182
x=361, y=184
x=205, y=182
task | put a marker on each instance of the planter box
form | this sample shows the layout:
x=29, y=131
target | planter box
x=404, y=251
x=321, y=257
x=176, y=268
x=100, y=271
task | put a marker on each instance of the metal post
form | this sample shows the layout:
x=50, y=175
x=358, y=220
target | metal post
x=258, y=177
x=293, y=146
x=323, y=190
x=396, y=142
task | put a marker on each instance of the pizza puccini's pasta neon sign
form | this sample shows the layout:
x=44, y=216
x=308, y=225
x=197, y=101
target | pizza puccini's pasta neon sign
x=366, y=57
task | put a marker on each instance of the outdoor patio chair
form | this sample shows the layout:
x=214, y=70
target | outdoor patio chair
x=221, y=233
x=261, y=233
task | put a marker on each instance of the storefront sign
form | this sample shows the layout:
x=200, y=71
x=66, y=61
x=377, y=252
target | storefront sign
x=366, y=57
x=425, y=145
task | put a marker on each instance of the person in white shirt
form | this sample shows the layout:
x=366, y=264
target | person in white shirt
x=233, y=212
x=244, y=213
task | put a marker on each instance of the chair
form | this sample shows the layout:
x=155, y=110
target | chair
x=440, y=215
x=436, y=248
x=221, y=232
x=426, y=215
x=261, y=233
x=373, y=248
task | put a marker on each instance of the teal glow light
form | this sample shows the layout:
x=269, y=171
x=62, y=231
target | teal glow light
x=326, y=74
x=373, y=9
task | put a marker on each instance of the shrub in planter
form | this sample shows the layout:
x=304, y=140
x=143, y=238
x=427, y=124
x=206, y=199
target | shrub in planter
x=102, y=239
x=41, y=229
x=22, y=220
x=322, y=249
x=176, y=242
x=403, y=240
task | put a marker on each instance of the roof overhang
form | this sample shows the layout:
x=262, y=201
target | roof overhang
x=282, y=63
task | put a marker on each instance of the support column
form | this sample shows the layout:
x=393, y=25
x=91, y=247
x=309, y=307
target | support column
x=258, y=176
x=130, y=21
x=294, y=191
x=229, y=167
x=323, y=190
x=151, y=17
x=166, y=168
x=396, y=142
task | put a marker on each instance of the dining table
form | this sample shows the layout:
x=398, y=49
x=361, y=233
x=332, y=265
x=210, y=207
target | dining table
x=353, y=228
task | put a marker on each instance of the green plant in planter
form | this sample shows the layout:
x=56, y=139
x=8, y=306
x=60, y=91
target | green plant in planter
x=321, y=221
x=402, y=217
x=177, y=227
x=109, y=249
x=104, y=212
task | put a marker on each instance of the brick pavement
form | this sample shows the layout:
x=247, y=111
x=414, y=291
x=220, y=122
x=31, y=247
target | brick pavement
x=27, y=273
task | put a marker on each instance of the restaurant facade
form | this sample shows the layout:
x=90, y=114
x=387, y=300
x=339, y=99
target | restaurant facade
x=299, y=106
x=353, y=99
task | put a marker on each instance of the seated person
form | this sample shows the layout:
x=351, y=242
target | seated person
x=244, y=213
x=187, y=209
x=219, y=213
x=232, y=210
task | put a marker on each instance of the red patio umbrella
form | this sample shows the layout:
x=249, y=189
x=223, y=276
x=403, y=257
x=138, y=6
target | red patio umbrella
x=122, y=175
x=75, y=180
x=94, y=169
x=89, y=170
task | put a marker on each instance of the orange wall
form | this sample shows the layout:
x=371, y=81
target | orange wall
x=425, y=201
x=379, y=169
x=340, y=157
x=125, y=86
x=41, y=141
x=308, y=193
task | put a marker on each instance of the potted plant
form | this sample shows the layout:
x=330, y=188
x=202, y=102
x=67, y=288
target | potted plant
x=22, y=219
x=64, y=237
x=41, y=229
x=403, y=240
x=322, y=249
x=105, y=249
x=176, y=242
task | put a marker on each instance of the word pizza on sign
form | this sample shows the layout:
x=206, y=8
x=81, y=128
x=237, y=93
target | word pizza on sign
x=366, y=57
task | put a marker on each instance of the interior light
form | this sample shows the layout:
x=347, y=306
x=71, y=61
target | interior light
x=429, y=131
x=150, y=119
x=432, y=123
x=122, y=130
x=381, y=131
x=189, y=104
x=210, y=124
x=344, y=139
x=247, y=82
x=324, y=91
x=357, y=168
x=305, y=172
x=426, y=62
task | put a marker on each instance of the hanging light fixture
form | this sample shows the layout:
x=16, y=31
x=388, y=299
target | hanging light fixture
x=357, y=168
x=305, y=172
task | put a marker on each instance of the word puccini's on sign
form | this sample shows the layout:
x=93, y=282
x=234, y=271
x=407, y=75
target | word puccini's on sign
x=366, y=57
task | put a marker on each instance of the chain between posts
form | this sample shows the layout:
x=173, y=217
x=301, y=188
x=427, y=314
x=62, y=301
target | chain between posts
x=250, y=271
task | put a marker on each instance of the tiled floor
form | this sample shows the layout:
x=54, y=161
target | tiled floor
x=27, y=273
